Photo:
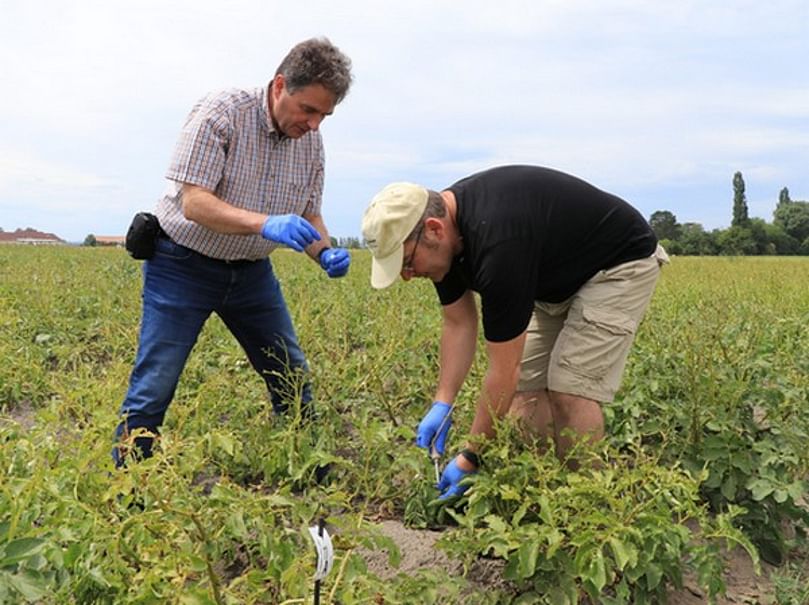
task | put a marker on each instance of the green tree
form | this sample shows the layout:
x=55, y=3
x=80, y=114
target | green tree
x=783, y=197
x=740, y=217
x=736, y=241
x=695, y=241
x=793, y=218
x=349, y=242
x=665, y=225
x=760, y=235
x=671, y=246
x=90, y=240
x=781, y=240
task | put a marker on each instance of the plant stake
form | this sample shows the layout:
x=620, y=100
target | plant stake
x=325, y=554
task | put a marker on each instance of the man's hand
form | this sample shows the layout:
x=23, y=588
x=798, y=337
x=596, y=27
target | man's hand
x=437, y=422
x=290, y=229
x=335, y=261
x=449, y=485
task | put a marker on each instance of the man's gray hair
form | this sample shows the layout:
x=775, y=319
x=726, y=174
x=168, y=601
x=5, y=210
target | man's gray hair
x=317, y=61
x=436, y=208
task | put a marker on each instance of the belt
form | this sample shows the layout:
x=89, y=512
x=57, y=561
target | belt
x=233, y=263
x=230, y=263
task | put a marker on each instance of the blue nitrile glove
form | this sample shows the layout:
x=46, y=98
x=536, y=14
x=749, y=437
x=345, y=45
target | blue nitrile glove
x=432, y=424
x=335, y=261
x=290, y=229
x=450, y=478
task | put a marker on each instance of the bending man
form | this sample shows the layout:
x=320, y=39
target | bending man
x=245, y=178
x=565, y=272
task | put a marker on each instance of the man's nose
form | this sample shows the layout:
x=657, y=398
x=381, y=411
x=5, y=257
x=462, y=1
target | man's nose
x=314, y=122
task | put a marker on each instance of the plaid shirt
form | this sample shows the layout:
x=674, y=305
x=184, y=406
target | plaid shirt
x=229, y=145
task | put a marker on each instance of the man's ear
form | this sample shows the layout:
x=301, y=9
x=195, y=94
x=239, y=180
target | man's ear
x=278, y=83
x=435, y=226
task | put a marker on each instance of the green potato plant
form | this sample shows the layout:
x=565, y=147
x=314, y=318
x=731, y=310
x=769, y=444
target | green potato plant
x=705, y=447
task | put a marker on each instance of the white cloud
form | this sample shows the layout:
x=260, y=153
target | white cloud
x=28, y=173
x=629, y=93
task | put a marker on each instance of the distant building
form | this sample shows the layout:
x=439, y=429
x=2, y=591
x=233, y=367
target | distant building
x=29, y=236
x=110, y=240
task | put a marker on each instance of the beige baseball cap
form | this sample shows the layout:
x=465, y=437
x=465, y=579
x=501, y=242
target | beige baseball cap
x=392, y=215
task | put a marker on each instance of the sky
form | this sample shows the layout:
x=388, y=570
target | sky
x=657, y=101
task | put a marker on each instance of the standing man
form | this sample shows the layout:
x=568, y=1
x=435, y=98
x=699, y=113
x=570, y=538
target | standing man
x=565, y=272
x=245, y=178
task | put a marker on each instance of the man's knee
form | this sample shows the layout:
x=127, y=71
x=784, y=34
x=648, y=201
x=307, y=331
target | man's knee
x=578, y=413
x=531, y=408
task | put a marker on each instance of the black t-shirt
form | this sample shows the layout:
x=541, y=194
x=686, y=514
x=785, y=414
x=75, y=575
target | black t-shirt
x=536, y=234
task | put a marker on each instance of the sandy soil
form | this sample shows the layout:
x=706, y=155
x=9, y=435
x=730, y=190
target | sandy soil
x=419, y=551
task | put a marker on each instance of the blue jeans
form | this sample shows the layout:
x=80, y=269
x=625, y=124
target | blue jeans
x=181, y=288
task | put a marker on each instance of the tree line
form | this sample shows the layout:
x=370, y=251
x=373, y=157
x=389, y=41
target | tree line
x=788, y=234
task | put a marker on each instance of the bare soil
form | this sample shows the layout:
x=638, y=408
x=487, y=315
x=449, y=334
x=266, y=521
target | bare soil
x=418, y=551
x=22, y=413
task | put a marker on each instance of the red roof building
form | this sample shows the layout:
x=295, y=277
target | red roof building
x=29, y=236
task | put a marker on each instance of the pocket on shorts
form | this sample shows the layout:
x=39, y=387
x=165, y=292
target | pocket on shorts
x=661, y=255
x=595, y=341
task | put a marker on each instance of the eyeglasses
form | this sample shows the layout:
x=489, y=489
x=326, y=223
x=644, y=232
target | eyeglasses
x=407, y=264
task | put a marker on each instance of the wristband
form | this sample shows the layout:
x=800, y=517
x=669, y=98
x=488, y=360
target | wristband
x=322, y=250
x=471, y=457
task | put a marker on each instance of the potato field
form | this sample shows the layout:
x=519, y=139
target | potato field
x=707, y=449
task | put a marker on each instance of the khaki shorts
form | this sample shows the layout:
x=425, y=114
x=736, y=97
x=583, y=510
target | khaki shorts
x=580, y=346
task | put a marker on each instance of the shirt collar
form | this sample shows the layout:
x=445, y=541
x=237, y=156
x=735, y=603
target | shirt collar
x=264, y=109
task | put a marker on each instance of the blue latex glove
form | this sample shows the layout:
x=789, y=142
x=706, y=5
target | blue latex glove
x=290, y=229
x=431, y=425
x=335, y=261
x=450, y=478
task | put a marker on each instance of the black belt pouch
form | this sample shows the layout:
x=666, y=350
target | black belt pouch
x=141, y=238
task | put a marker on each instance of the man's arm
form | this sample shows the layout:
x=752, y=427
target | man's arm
x=316, y=220
x=458, y=340
x=499, y=384
x=203, y=207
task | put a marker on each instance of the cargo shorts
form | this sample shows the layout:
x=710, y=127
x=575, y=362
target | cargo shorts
x=580, y=346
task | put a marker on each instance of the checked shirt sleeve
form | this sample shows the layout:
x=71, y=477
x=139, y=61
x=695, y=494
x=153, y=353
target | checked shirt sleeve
x=316, y=190
x=200, y=154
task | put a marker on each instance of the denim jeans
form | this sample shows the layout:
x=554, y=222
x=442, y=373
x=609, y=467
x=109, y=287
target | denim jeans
x=181, y=288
